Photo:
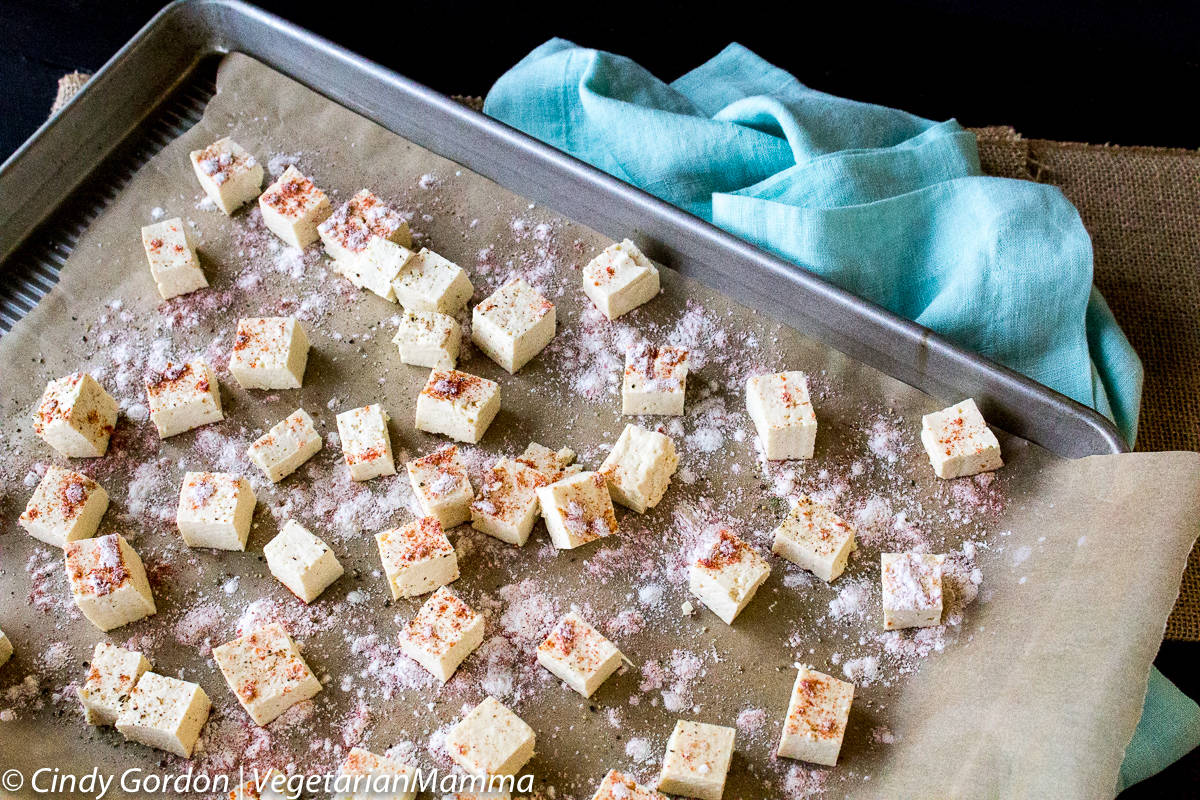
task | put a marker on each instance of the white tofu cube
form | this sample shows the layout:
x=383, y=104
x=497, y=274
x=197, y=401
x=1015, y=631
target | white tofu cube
x=619, y=786
x=165, y=713
x=269, y=353
x=578, y=509
x=507, y=506
x=815, y=538
x=554, y=465
x=912, y=590
x=620, y=279
x=959, y=442
x=111, y=676
x=443, y=490
x=816, y=718
x=639, y=468
x=726, y=575
x=376, y=267
x=182, y=397
x=783, y=414
x=697, y=760
x=173, y=262
x=432, y=283
x=281, y=450
x=6, y=649
x=428, y=339
x=301, y=561
x=108, y=581
x=442, y=634
x=578, y=654
x=76, y=416
x=513, y=324
x=457, y=404
x=270, y=785
x=417, y=558
x=266, y=672
x=655, y=380
x=65, y=507
x=292, y=208
x=215, y=510
x=229, y=175
x=491, y=740
x=368, y=773
x=349, y=229
x=366, y=443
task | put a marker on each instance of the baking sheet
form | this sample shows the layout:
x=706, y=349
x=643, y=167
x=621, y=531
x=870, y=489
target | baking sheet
x=1036, y=689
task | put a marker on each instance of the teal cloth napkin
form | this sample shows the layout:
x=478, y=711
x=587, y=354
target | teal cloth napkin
x=890, y=206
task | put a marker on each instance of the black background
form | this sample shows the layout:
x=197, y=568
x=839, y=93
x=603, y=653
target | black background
x=1103, y=72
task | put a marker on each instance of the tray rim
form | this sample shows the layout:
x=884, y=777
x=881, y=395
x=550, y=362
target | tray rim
x=39, y=177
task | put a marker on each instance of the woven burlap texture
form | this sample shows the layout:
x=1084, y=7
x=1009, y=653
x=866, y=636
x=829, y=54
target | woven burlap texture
x=1142, y=207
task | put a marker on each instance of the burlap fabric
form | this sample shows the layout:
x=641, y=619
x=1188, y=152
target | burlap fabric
x=1142, y=208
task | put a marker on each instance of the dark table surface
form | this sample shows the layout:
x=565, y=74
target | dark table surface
x=1104, y=72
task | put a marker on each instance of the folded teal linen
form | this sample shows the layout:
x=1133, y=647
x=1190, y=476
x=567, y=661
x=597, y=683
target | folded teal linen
x=885, y=204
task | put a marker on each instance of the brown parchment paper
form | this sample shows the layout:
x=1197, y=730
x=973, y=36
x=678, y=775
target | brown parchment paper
x=1034, y=694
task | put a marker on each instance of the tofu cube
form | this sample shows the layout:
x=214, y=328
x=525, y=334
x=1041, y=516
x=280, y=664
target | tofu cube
x=554, y=465
x=783, y=414
x=281, y=450
x=578, y=654
x=417, y=558
x=182, y=397
x=301, y=561
x=349, y=229
x=369, y=772
x=491, y=740
x=443, y=490
x=269, y=785
x=577, y=509
x=215, y=510
x=697, y=760
x=507, y=506
x=269, y=353
x=726, y=575
x=655, y=380
x=428, y=339
x=513, y=324
x=266, y=672
x=173, y=262
x=365, y=442
x=815, y=538
x=619, y=786
x=442, y=634
x=912, y=590
x=816, y=718
x=620, y=279
x=65, y=507
x=229, y=175
x=457, y=404
x=108, y=581
x=112, y=674
x=959, y=442
x=76, y=416
x=6, y=649
x=432, y=283
x=165, y=713
x=639, y=468
x=292, y=208
x=374, y=269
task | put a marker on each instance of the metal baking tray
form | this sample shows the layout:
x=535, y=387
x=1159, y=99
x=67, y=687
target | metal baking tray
x=157, y=85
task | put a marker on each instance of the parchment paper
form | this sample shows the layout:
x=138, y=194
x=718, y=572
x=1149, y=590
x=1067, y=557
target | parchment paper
x=1034, y=693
